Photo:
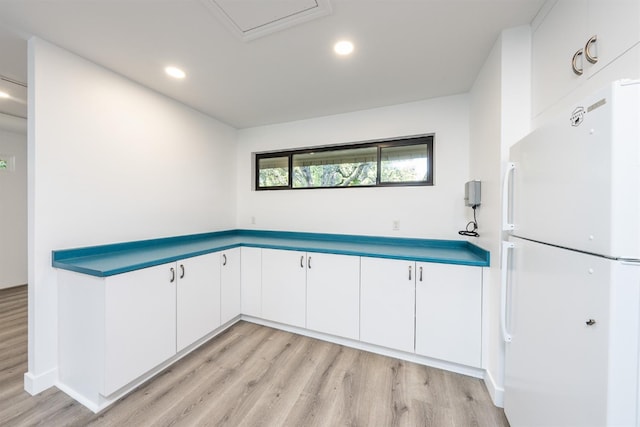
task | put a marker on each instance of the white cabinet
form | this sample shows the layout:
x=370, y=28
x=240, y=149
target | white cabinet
x=387, y=303
x=554, y=43
x=114, y=329
x=449, y=312
x=333, y=294
x=284, y=286
x=139, y=324
x=251, y=281
x=565, y=31
x=229, y=284
x=316, y=291
x=616, y=23
x=198, y=297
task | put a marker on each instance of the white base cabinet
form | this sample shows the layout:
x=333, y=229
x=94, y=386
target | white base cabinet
x=333, y=294
x=316, y=291
x=230, y=293
x=284, y=286
x=114, y=329
x=198, y=297
x=430, y=308
x=138, y=335
x=449, y=313
x=251, y=281
x=387, y=303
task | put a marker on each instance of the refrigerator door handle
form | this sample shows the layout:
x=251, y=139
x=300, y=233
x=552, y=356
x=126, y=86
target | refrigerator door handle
x=506, y=247
x=506, y=203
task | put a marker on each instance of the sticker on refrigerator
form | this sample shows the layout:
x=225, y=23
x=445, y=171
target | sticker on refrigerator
x=577, y=117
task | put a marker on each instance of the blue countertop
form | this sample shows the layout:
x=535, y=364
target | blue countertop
x=107, y=260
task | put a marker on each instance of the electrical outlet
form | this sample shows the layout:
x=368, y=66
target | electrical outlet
x=253, y=220
x=396, y=225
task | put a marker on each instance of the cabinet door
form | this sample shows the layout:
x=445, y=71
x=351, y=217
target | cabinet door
x=333, y=294
x=449, y=312
x=198, y=298
x=387, y=303
x=140, y=324
x=284, y=286
x=251, y=281
x=616, y=23
x=229, y=284
x=561, y=33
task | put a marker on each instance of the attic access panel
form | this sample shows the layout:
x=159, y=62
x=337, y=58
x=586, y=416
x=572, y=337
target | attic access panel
x=250, y=19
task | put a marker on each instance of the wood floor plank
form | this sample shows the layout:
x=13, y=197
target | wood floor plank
x=251, y=375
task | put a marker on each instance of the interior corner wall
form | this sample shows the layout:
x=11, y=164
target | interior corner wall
x=426, y=211
x=485, y=124
x=500, y=111
x=111, y=161
x=13, y=203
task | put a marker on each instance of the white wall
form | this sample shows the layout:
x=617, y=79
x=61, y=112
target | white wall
x=13, y=203
x=428, y=212
x=110, y=161
x=500, y=111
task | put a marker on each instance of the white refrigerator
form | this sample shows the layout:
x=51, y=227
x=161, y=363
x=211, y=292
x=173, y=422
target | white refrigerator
x=570, y=310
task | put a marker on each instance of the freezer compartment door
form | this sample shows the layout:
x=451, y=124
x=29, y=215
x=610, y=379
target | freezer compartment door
x=576, y=182
x=563, y=367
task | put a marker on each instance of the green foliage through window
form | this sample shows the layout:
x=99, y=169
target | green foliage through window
x=407, y=161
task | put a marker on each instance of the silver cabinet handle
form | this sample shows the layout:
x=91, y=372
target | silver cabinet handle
x=574, y=66
x=421, y=274
x=309, y=263
x=302, y=261
x=587, y=50
x=173, y=275
x=181, y=271
x=409, y=272
x=224, y=259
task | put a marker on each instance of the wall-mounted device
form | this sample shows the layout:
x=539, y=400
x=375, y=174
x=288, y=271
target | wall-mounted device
x=472, y=193
x=471, y=198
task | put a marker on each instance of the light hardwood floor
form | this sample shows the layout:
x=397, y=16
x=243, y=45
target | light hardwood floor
x=252, y=375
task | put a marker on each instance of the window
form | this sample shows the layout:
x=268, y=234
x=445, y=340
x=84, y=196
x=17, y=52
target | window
x=274, y=172
x=398, y=162
x=7, y=163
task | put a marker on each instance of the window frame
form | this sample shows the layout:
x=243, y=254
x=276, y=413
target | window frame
x=426, y=139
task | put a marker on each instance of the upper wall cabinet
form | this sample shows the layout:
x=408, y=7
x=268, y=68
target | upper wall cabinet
x=575, y=40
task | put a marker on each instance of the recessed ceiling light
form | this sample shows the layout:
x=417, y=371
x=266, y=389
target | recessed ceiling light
x=4, y=95
x=175, y=72
x=343, y=47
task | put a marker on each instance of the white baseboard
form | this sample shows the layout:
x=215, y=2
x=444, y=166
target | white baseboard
x=87, y=403
x=34, y=384
x=496, y=393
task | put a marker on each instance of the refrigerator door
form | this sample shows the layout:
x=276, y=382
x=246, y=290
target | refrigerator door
x=576, y=181
x=574, y=324
x=557, y=317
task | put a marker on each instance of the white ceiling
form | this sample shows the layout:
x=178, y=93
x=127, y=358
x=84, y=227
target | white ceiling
x=405, y=50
